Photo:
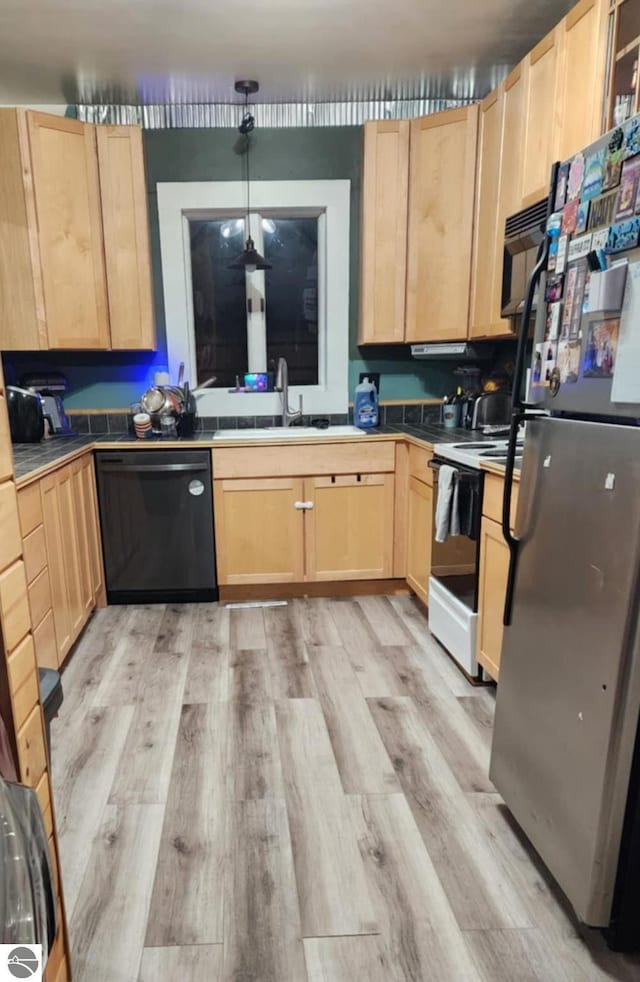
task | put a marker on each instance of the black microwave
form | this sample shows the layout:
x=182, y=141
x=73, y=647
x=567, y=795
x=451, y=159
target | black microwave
x=522, y=237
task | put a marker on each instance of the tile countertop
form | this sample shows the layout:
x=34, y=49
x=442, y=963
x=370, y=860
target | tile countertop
x=32, y=460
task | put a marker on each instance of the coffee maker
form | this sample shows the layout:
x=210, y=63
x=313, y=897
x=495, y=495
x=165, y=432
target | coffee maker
x=51, y=386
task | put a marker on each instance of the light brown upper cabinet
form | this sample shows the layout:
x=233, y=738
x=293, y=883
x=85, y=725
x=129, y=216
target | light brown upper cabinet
x=584, y=53
x=441, y=200
x=383, y=244
x=510, y=191
x=126, y=236
x=488, y=237
x=542, y=115
x=53, y=284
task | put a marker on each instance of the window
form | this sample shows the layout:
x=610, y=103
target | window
x=271, y=314
x=223, y=322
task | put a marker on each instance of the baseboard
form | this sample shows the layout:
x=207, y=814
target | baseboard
x=286, y=591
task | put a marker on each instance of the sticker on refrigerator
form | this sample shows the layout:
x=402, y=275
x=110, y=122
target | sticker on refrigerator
x=568, y=361
x=628, y=193
x=554, y=224
x=552, y=328
x=616, y=152
x=602, y=210
x=601, y=348
x=568, y=301
x=593, y=174
x=623, y=236
x=570, y=217
x=544, y=362
x=561, y=256
x=583, y=217
x=561, y=186
x=578, y=300
x=553, y=289
x=579, y=247
x=631, y=137
x=599, y=239
x=576, y=174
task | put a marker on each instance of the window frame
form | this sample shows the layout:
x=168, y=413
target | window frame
x=179, y=201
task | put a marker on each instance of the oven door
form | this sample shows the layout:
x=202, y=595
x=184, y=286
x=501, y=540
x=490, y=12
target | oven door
x=453, y=583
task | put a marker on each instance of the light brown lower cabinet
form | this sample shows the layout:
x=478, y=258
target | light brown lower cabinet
x=494, y=569
x=419, y=528
x=67, y=579
x=288, y=530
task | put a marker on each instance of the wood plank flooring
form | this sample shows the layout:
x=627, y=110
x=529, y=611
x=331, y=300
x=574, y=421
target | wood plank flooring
x=294, y=794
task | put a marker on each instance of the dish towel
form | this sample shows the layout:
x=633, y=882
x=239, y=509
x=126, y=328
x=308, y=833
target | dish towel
x=446, y=479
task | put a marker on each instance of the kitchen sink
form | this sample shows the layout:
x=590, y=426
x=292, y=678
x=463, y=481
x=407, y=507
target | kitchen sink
x=288, y=433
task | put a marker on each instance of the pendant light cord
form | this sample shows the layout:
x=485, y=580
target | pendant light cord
x=248, y=154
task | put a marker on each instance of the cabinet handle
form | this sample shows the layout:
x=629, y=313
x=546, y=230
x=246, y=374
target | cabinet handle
x=303, y=505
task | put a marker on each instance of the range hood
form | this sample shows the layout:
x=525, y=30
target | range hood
x=457, y=350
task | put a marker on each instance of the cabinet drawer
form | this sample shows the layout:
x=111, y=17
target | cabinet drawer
x=30, y=508
x=31, y=749
x=34, y=548
x=44, y=800
x=39, y=596
x=44, y=636
x=22, y=663
x=335, y=458
x=492, y=499
x=419, y=464
x=10, y=544
x=14, y=605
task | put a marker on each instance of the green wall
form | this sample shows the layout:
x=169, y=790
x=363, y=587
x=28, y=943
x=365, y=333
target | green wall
x=114, y=380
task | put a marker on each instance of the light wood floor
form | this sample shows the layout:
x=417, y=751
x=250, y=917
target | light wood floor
x=294, y=794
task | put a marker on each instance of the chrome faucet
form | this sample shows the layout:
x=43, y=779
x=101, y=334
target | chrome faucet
x=282, y=386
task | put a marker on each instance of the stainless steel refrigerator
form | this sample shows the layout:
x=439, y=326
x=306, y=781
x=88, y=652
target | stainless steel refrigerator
x=566, y=749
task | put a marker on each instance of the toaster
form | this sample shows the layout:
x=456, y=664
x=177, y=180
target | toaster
x=491, y=409
x=26, y=419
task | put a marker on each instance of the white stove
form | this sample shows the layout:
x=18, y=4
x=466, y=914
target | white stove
x=472, y=454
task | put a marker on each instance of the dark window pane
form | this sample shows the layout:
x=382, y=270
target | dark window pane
x=291, y=246
x=219, y=300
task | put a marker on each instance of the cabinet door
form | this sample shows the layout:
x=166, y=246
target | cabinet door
x=71, y=550
x=584, y=43
x=494, y=569
x=419, y=528
x=82, y=536
x=56, y=564
x=441, y=199
x=259, y=530
x=349, y=527
x=542, y=116
x=488, y=237
x=383, y=242
x=126, y=236
x=64, y=165
x=94, y=539
x=512, y=162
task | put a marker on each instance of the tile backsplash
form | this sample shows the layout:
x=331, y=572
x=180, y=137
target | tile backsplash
x=110, y=422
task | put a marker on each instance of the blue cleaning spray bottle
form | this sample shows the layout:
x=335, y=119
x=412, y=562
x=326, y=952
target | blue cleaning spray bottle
x=365, y=408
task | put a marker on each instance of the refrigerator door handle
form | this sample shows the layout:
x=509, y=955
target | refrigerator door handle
x=519, y=405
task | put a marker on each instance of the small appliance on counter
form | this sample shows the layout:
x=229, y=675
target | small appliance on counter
x=491, y=409
x=26, y=419
x=51, y=387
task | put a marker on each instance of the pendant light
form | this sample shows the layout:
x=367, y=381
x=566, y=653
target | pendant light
x=250, y=260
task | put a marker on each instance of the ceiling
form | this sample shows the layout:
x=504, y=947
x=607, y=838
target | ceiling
x=176, y=51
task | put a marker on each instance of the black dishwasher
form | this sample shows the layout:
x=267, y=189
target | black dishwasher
x=156, y=518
